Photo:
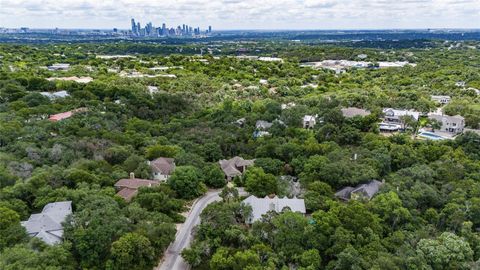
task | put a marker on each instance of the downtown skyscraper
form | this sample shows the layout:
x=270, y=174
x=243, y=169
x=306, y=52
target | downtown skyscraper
x=150, y=31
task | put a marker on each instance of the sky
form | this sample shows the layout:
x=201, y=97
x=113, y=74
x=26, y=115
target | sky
x=243, y=14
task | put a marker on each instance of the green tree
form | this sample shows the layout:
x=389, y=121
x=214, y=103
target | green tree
x=187, y=182
x=214, y=176
x=448, y=251
x=131, y=251
x=11, y=232
x=259, y=183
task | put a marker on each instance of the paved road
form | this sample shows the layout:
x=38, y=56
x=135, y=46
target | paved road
x=172, y=259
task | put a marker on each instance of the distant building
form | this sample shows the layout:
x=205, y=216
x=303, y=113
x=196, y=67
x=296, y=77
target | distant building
x=352, y=112
x=162, y=168
x=288, y=105
x=152, y=89
x=309, y=121
x=263, y=125
x=61, y=116
x=460, y=84
x=363, y=191
x=56, y=67
x=451, y=124
x=362, y=56
x=74, y=79
x=441, y=99
x=393, y=119
x=48, y=224
x=261, y=206
x=128, y=188
x=235, y=166
x=55, y=95
x=270, y=59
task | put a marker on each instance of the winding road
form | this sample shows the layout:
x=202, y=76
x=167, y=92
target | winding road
x=172, y=259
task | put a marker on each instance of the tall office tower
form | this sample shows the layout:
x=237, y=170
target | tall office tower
x=186, y=28
x=183, y=29
x=148, y=29
x=134, y=27
x=190, y=29
x=139, y=28
x=209, y=29
x=164, y=29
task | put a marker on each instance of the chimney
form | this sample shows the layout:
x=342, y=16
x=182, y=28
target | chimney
x=132, y=175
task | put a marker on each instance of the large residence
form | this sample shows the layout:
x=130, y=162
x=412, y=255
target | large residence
x=363, y=191
x=162, y=168
x=441, y=99
x=393, y=119
x=309, y=121
x=451, y=124
x=235, y=166
x=353, y=112
x=261, y=206
x=47, y=225
x=128, y=188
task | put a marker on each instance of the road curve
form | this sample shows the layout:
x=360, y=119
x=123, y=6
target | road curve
x=172, y=259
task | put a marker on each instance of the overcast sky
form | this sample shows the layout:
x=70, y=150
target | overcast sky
x=243, y=14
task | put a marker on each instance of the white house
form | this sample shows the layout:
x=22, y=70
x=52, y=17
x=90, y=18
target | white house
x=309, y=121
x=261, y=206
x=162, y=168
x=451, y=124
x=442, y=99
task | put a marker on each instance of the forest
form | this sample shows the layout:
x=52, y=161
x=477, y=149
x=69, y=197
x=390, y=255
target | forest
x=425, y=216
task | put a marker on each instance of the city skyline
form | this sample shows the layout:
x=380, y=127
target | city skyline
x=246, y=14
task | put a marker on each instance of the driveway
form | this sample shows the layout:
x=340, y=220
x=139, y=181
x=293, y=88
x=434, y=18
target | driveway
x=172, y=259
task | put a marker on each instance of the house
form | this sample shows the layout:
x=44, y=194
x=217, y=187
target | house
x=61, y=116
x=309, y=121
x=73, y=79
x=352, y=112
x=240, y=122
x=235, y=166
x=263, y=125
x=451, y=124
x=362, y=191
x=162, y=168
x=47, y=225
x=460, y=84
x=392, y=120
x=128, y=188
x=260, y=133
x=56, y=67
x=441, y=99
x=261, y=206
x=55, y=95
x=288, y=105
x=152, y=89
x=394, y=116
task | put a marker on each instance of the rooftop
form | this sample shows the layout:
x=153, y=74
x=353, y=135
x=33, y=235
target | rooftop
x=47, y=225
x=261, y=206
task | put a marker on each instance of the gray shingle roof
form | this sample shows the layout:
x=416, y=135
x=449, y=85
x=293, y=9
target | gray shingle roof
x=231, y=166
x=352, y=112
x=367, y=190
x=261, y=206
x=47, y=225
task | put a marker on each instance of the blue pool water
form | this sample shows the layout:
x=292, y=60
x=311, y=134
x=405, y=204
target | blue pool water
x=431, y=136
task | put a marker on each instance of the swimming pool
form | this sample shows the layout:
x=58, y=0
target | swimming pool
x=431, y=136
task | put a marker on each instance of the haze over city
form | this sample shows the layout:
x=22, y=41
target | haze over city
x=248, y=14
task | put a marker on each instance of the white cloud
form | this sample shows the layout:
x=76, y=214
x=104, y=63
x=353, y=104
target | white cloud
x=243, y=14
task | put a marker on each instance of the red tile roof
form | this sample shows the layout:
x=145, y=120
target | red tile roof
x=65, y=115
